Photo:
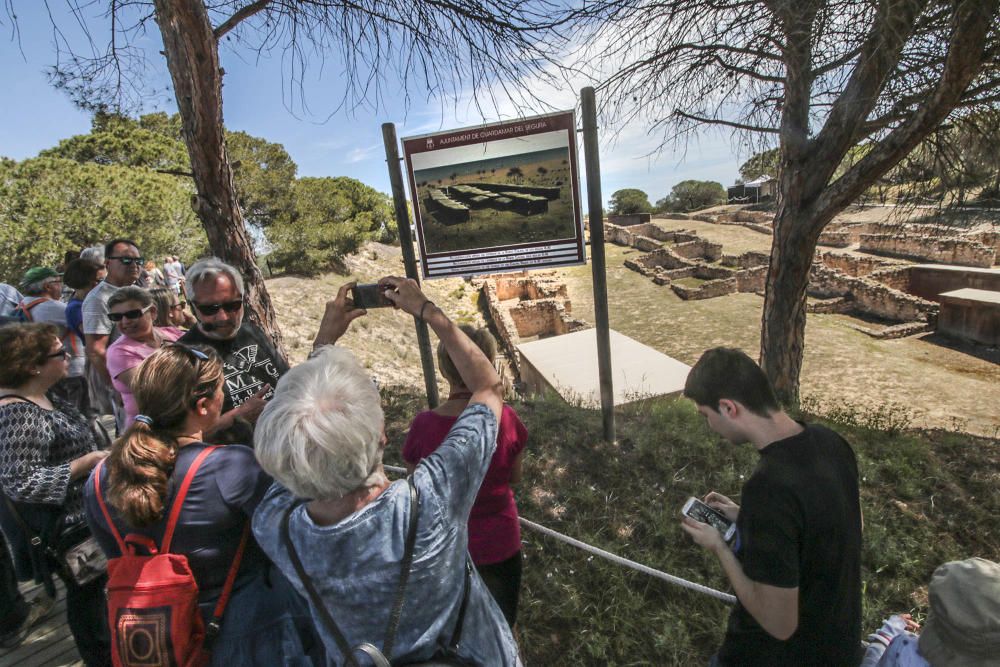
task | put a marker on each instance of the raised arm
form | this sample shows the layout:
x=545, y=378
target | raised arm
x=475, y=369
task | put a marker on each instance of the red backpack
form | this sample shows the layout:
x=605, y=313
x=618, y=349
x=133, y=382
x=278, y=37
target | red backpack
x=153, y=610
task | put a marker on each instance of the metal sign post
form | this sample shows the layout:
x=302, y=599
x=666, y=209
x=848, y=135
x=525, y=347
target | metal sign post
x=598, y=265
x=409, y=258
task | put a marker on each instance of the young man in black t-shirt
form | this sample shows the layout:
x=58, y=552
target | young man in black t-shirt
x=795, y=564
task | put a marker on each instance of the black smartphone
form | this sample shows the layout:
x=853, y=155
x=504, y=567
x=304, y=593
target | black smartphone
x=370, y=295
x=699, y=511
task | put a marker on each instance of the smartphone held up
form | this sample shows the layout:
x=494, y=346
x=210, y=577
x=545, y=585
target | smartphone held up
x=370, y=295
x=699, y=511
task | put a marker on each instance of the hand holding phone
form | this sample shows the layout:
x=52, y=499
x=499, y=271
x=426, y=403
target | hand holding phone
x=699, y=511
x=370, y=295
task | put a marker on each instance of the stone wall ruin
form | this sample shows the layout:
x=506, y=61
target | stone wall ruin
x=523, y=306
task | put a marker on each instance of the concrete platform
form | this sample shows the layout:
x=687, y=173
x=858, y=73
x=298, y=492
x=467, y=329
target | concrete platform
x=971, y=314
x=567, y=364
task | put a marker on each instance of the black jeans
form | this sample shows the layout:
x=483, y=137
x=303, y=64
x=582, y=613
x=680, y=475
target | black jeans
x=87, y=615
x=503, y=580
x=13, y=608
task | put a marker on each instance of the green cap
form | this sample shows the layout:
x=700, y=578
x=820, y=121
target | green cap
x=37, y=274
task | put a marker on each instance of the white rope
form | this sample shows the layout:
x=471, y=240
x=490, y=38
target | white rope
x=614, y=558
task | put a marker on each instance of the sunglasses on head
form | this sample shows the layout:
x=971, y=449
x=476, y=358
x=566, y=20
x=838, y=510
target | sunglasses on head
x=130, y=314
x=213, y=308
x=130, y=260
x=196, y=354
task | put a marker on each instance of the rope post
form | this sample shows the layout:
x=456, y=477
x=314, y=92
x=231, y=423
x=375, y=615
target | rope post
x=598, y=265
x=409, y=257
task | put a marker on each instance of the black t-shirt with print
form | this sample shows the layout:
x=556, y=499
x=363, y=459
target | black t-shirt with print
x=249, y=362
x=800, y=525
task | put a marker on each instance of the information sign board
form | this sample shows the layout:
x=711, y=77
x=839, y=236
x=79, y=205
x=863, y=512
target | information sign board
x=497, y=198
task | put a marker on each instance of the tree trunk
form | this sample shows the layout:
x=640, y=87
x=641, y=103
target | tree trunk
x=193, y=59
x=783, y=323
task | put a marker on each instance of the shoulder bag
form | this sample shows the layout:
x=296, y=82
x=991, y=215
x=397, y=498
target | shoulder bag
x=445, y=657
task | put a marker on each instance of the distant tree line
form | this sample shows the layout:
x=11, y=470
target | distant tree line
x=689, y=195
x=132, y=177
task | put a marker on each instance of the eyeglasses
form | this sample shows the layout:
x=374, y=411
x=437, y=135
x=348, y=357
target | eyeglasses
x=130, y=314
x=129, y=260
x=212, y=308
x=61, y=352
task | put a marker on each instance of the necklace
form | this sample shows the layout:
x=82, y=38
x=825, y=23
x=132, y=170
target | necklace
x=459, y=394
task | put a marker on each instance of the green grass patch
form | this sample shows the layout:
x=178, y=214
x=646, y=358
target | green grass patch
x=928, y=497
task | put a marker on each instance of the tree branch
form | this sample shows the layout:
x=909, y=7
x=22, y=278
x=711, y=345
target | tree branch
x=241, y=15
x=726, y=123
x=972, y=22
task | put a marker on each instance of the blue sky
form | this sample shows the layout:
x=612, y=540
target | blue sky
x=34, y=116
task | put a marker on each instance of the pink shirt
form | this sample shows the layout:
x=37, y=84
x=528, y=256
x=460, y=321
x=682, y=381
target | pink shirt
x=126, y=353
x=494, y=533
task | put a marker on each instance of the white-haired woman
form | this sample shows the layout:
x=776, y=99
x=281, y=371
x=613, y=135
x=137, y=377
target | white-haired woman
x=344, y=535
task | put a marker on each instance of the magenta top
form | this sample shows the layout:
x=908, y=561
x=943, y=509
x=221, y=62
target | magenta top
x=494, y=533
x=126, y=353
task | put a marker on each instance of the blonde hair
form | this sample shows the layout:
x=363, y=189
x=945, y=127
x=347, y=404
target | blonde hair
x=321, y=434
x=166, y=386
x=483, y=339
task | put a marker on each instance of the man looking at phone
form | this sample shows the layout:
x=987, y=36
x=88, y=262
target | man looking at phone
x=796, y=561
x=251, y=366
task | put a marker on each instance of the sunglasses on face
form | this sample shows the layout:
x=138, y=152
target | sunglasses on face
x=212, y=308
x=61, y=352
x=130, y=314
x=130, y=260
x=175, y=306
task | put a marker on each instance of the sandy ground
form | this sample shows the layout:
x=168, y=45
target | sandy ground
x=940, y=384
x=384, y=340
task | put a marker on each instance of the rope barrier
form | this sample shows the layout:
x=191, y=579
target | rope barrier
x=614, y=558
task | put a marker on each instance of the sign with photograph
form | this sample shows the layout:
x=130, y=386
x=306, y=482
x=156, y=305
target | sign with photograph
x=497, y=198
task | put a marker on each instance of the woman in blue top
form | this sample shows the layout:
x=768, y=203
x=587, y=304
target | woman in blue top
x=178, y=390
x=321, y=437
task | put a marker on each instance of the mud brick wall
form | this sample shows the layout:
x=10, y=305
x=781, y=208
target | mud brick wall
x=896, y=277
x=629, y=220
x=988, y=239
x=942, y=251
x=752, y=280
x=853, y=266
x=911, y=229
x=699, y=249
x=539, y=318
x=840, y=239
x=869, y=296
x=502, y=321
x=523, y=287
x=747, y=260
x=706, y=272
x=709, y=290
x=664, y=257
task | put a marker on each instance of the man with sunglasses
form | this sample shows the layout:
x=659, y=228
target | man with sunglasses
x=251, y=365
x=124, y=263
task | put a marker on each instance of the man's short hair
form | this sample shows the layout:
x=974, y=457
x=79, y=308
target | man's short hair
x=321, y=434
x=208, y=269
x=109, y=247
x=725, y=372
